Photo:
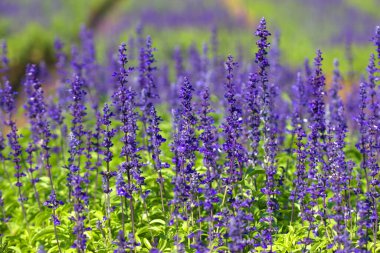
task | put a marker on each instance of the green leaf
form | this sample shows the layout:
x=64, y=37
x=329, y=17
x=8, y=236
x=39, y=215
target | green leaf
x=43, y=232
x=15, y=248
x=147, y=243
x=159, y=221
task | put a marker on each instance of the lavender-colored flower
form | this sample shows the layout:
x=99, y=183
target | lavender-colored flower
x=78, y=111
x=317, y=146
x=80, y=200
x=337, y=116
x=76, y=63
x=76, y=182
x=362, y=121
x=341, y=170
x=147, y=81
x=124, y=102
x=88, y=48
x=61, y=61
x=300, y=104
x=16, y=153
x=235, y=234
x=96, y=146
x=208, y=137
x=300, y=182
x=180, y=69
x=376, y=41
x=7, y=100
x=156, y=141
x=36, y=111
x=317, y=105
x=90, y=68
x=269, y=131
x=364, y=209
x=53, y=203
x=31, y=150
x=214, y=44
x=373, y=145
x=195, y=62
x=363, y=206
x=108, y=133
x=253, y=104
x=186, y=180
x=187, y=139
x=261, y=55
x=140, y=34
x=4, y=61
x=123, y=244
x=198, y=244
x=35, y=106
x=267, y=106
x=41, y=249
x=155, y=250
x=55, y=113
x=185, y=145
x=232, y=128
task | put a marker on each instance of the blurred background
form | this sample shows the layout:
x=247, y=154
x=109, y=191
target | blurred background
x=340, y=28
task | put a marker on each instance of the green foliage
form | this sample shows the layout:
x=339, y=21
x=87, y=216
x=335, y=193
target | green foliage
x=152, y=228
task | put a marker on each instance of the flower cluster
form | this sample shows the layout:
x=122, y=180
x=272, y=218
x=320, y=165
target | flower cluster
x=267, y=164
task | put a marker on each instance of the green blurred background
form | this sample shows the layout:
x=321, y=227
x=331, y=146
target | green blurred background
x=339, y=28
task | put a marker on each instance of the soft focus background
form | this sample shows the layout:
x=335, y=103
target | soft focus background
x=340, y=28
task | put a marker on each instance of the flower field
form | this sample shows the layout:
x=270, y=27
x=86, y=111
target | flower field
x=203, y=153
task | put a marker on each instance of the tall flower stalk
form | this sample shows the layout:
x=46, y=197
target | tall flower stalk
x=341, y=169
x=373, y=144
x=16, y=154
x=269, y=130
x=236, y=154
x=124, y=102
x=186, y=179
x=156, y=141
x=77, y=182
x=108, y=133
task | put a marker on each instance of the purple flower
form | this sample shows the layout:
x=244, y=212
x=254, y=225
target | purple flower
x=78, y=112
x=107, y=133
x=76, y=182
x=35, y=106
x=187, y=139
x=4, y=217
x=4, y=61
x=269, y=128
x=185, y=144
x=7, y=99
x=156, y=141
x=340, y=178
x=376, y=41
x=178, y=60
x=89, y=67
x=208, y=136
x=52, y=202
x=253, y=104
x=123, y=244
x=232, y=128
x=16, y=154
x=61, y=62
x=147, y=81
x=124, y=103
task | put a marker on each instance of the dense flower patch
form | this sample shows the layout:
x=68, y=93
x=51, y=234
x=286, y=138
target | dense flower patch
x=216, y=157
